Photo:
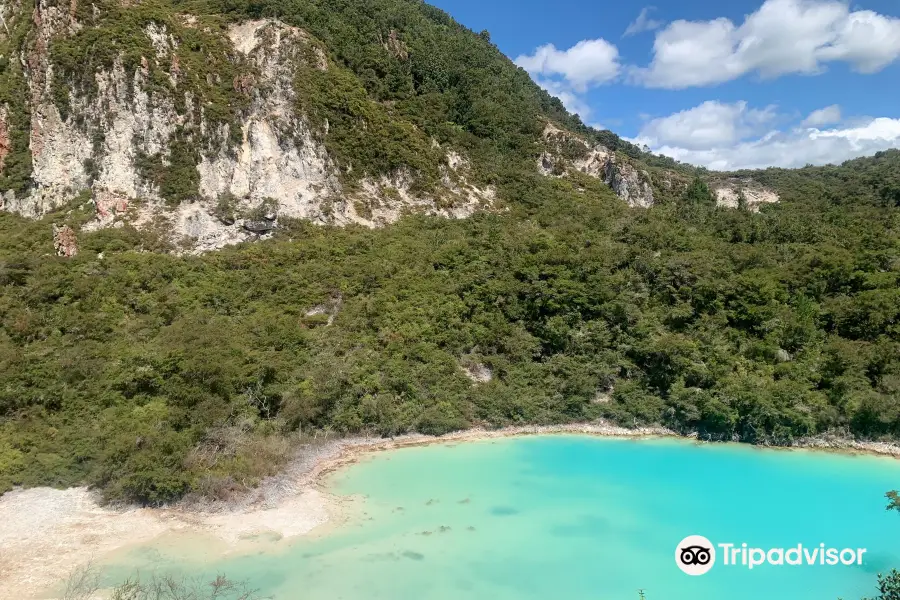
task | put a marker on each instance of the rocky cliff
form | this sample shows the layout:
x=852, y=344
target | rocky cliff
x=743, y=192
x=565, y=150
x=191, y=124
x=209, y=127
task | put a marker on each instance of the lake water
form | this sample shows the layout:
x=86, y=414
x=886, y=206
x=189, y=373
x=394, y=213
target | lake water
x=571, y=517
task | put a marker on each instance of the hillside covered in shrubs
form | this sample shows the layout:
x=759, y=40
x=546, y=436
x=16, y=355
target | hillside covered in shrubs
x=152, y=374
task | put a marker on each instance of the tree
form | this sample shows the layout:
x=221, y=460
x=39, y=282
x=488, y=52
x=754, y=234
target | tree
x=888, y=586
x=698, y=193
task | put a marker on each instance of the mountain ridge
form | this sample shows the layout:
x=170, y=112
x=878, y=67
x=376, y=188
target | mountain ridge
x=189, y=115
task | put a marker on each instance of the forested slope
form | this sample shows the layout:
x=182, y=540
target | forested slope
x=152, y=374
x=127, y=369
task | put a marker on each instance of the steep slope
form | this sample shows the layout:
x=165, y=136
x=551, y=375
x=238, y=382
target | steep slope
x=151, y=375
x=200, y=120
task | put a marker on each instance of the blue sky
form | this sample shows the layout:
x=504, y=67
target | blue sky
x=726, y=84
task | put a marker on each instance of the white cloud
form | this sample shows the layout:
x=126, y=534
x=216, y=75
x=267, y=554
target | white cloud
x=730, y=137
x=824, y=116
x=782, y=37
x=587, y=63
x=710, y=124
x=568, y=74
x=643, y=23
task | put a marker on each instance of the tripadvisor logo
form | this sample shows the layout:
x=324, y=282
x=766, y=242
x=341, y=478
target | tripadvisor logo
x=696, y=555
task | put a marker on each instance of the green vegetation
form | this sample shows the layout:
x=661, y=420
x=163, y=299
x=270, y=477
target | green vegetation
x=889, y=586
x=113, y=33
x=401, y=75
x=364, y=137
x=15, y=173
x=413, y=74
x=152, y=375
x=176, y=177
x=194, y=60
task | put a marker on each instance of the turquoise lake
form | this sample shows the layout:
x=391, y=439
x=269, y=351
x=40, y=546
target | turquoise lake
x=571, y=517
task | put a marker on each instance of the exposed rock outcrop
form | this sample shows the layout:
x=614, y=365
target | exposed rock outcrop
x=5, y=143
x=327, y=311
x=57, y=151
x=119, y=130
x=260, y=227
x=735, y=193
x=478, y=373
x=277, y=157
x=386, y=199
x=566, y=150
x=395, y=46
x=64, y=241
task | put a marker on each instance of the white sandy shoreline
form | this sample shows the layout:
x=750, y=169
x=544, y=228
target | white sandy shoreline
x=45, y=533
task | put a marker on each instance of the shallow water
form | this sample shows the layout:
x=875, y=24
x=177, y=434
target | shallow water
x=577, y=517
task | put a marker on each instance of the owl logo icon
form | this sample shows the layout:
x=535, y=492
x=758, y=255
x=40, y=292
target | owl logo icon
x=695, y=555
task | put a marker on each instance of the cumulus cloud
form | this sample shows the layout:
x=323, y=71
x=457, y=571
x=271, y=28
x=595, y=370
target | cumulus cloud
x=587, y=63
x=643, y=23
x=781, y=37
x=568, y=74
x=824, y=116
x=709, y=125
x=730, y=137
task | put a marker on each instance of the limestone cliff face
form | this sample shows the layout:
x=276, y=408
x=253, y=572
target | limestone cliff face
x=566, y=150
x=743, y=193
x=57, y=152
x=209, y=131
x=138, y=139
x=277, y=156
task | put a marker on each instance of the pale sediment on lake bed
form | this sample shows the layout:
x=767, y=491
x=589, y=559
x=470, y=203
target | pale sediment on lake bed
x=45, y=533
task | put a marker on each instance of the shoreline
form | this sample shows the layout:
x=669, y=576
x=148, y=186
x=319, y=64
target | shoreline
x=49, y=532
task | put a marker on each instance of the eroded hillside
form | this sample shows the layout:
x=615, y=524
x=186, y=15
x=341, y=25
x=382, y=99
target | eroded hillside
x=207, y=125
x=203, y=126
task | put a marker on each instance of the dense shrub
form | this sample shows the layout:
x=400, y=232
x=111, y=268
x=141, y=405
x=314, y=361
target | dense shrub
x=151, y=375
x=127, y=371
